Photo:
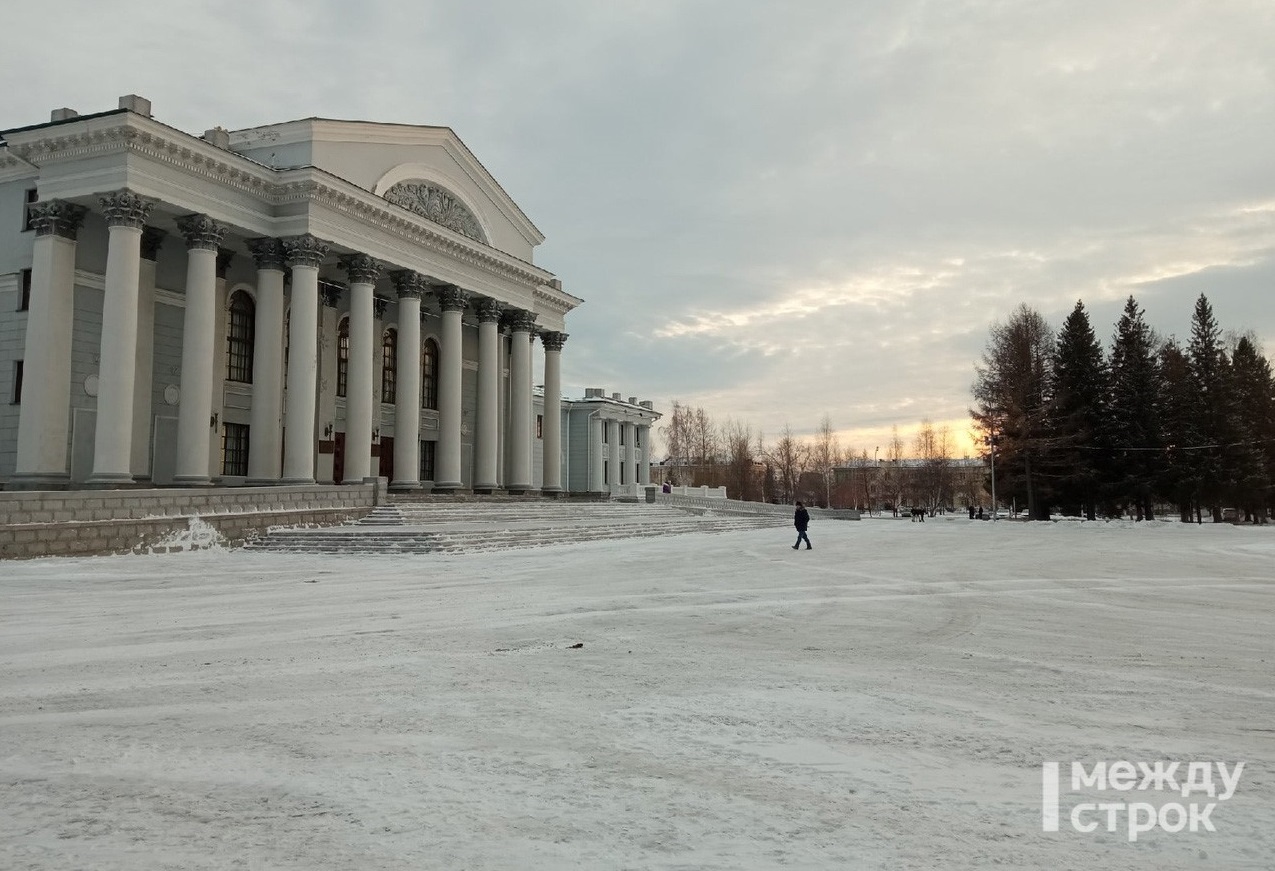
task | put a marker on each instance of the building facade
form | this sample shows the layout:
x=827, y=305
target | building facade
x=311, y=301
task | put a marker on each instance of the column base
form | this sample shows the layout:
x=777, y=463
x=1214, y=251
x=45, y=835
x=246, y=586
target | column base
x=108, y=480
x=39, y=481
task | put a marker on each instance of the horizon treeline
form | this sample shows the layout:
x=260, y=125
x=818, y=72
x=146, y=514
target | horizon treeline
x=1145, y=423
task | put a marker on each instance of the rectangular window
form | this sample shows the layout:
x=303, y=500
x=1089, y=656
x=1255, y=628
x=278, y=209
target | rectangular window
x=622, y=428
x=234, y=449
x=540, y=426
x=606, y=472
x=606, y=432
x=17, y=382
x=427, y=460
x=24, y=301
x=31, y=199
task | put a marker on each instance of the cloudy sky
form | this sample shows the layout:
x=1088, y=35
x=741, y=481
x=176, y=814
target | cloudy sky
x=774, y=210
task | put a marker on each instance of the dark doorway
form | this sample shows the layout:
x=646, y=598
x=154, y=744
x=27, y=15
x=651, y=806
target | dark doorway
x=387, y=458
x=338, y=457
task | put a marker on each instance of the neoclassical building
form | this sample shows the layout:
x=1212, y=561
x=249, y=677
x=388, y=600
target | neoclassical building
x=311, y=301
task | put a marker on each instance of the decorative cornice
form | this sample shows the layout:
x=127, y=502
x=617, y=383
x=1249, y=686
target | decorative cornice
x=379, y=305
x=152, y=239
x=304, y=250
x=409, y=284
x=450, y=297
x=268, y=253
x=520, y=320
x=553, y=341
x=123, y=208
x=57, y=218
x=489, y=310
x=360, y=268
x=133, y=134
x=201, y=231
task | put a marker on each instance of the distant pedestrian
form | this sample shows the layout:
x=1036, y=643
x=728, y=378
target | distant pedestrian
x=801, y=519
x=971, y=511
x=666, y=488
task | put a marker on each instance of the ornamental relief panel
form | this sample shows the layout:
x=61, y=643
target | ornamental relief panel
x=438, y=205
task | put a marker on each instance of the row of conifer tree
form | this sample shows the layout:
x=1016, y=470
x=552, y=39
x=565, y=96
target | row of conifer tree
x=1143, y=427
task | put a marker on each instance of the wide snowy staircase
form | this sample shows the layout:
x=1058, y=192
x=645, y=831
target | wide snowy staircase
x=474, y=526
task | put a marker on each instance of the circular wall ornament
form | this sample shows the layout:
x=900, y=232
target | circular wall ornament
x=90, y=385
x=172, y=393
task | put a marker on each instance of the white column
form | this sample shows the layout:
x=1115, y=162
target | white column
x=487, y=440
x=145, y=364
x=363, y=272
x=447, y=459
x=125, y=215
x=629, y=454
x=502, y=410
x=596, y=454
x=407, y=407
x=304, y=254
x=551, y=433
x=644, y=455
x=199, y=329
x=220, y=355
x=614, y=456
x=522, y=323
x=265, y=423
x=43, y=420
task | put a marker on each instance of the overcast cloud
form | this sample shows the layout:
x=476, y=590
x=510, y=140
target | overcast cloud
x=774, y=210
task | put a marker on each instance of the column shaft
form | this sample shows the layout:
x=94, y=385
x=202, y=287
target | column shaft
x=551, y=433
x=613, y=456
x=194, y=429
x=486, y=459
x=520, y=408
x=407, y=407
x=145, y=365
x=265, y=422
x=358, y=386
x=597, y=455
x=44, y=416
x=630, y=465
x=448, y=472
x=303, y=363
x=644, y=455
x=117, y=360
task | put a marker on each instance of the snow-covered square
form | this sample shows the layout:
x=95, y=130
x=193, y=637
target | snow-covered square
x=694, y=701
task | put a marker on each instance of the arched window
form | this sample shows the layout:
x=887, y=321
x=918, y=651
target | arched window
x=240, y=334
x=389, y=365
x=342, y=356
x=429, y=375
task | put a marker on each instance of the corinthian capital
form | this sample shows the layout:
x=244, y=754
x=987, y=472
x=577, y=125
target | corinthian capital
x=304, y=250
x=201, y=232
x=553, y=341
x=489, y=310
x=123, y=208
x=409, y=284
x=451, y=298
x=520, y=320
x=268, y=253
x=360, y=268
x=57, y=218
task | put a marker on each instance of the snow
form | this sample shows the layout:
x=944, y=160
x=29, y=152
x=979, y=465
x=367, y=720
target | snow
x=882, y=701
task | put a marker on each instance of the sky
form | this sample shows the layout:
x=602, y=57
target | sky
x=774, y=211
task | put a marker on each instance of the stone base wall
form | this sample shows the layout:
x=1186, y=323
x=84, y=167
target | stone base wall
x=92, y=522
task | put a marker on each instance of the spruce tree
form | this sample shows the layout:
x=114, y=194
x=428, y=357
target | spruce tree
x=1077, y=416
x=1216, y=464
x=1254, y=392
x=1134, y=417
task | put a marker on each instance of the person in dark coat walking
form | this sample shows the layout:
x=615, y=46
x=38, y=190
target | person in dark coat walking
x=801, y=519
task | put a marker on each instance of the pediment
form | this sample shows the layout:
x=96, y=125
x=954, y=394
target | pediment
x=436, y=203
